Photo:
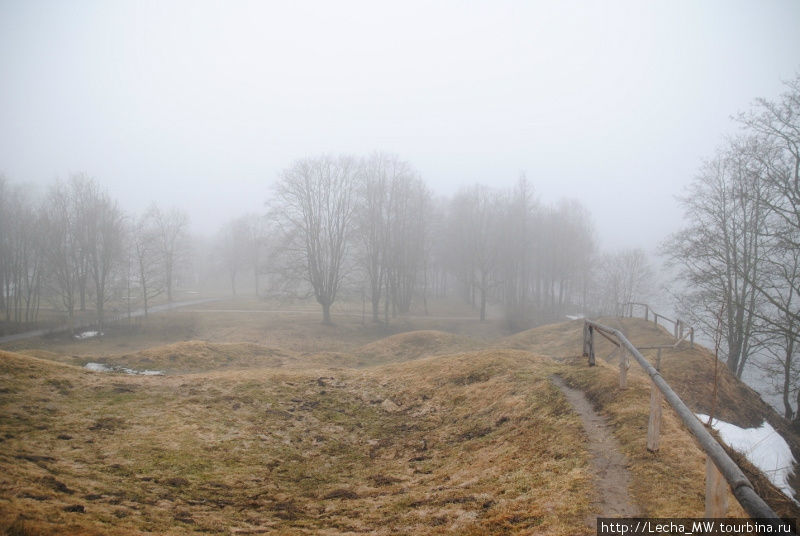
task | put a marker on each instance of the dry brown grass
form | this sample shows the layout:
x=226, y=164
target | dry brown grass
x=669, y=483
x=413, y=345
x=199, y=356
x=291, y=328
x=282, y=432
x=690, y=371
x=471, y=443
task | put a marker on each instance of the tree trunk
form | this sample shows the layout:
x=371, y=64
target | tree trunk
x=386, y=303
x=484, y=282
x=144, y=297
x=326, y=313
x=169, y=281
x=787, y=386
x=82, y=285
x=376, y=309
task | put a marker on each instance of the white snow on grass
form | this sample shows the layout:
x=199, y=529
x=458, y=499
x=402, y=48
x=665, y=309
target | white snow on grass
x=101, y=367
x=89, y=334
x=97, y=367
x=764, y=447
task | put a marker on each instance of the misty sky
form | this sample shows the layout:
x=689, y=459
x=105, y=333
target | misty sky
x=201, y=104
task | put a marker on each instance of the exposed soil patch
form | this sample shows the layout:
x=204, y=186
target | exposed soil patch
x=609, y=463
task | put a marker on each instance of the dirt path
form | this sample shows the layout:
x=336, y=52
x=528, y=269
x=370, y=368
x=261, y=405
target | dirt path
x=609, y=464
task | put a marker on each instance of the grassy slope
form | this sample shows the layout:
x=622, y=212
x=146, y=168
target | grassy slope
x=467, y=443
x=690, y=371
x=473, y=442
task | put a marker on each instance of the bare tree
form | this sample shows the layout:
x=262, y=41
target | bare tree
x=5, y=247
x=720, y=251
x=373, y=224
x=517, y=253
x=474, y=229
x=104, y=223
x=314, y=207
x=780, y=328
x=775, y=127
x=65, y=258
x=624, y=276
x=406, y=244
x=148, y=259
x=170, y=227
x=570, y=247
x=256, y=243
x=235, y=245
x=21, y=254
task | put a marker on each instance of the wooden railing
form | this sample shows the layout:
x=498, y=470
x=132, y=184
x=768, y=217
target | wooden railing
x=680, y=329
x=718, y=464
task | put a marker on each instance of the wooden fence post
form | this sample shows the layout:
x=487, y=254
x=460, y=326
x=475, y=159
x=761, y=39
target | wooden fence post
x=716, y=491
x=655, y=318
x=591, y=346
x=691, y=337
x=623, y=367
x=585, y=339
x=654, y=423
x=646, y=313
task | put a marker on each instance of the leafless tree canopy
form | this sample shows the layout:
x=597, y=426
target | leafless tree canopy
x=739, y=250
x=314, y=205
x=369, y=228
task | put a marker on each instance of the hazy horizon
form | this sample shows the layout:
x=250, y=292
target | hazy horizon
x=202, y=104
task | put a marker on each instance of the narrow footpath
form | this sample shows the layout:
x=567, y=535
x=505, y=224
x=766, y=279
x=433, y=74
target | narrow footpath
x=608, y=462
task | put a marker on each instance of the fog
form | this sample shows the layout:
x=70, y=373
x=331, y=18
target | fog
x=202, y=104
x=422, y=201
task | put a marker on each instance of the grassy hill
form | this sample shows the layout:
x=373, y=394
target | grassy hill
x=424, y=432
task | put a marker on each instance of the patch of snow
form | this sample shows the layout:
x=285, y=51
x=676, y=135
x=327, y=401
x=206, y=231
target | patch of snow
x=575, y=317
x=764, y=447
x=97, y=367
x=102, y=367
x=89, y=334
x=147, y=372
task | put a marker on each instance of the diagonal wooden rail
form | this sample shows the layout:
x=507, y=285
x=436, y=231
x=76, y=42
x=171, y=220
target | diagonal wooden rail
x=680, y=329
x=718, y=465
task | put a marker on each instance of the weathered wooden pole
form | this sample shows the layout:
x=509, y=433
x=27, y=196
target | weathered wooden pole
x=646, y=312
x=740, y=486
x=654, y=423
x=585, y=339
x=716, y=491
x=691, y=337
x=591, y=346
x=655, y=318
x=623, y=368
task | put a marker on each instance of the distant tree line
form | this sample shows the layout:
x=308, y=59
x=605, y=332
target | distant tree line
x=76, y=250
x=739, y=253
x=371, y=228
x=368, y=229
